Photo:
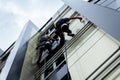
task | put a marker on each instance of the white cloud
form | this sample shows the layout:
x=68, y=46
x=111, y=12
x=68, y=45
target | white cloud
x=15, y=13
x=12, y=21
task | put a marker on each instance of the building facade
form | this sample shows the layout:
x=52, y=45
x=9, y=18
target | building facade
x=92, y=54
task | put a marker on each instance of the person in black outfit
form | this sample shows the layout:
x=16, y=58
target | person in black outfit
x=44, y=43
x=63, y=26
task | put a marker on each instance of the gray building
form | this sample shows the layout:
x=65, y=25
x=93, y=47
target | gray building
x=92, y=54
x=1, y=51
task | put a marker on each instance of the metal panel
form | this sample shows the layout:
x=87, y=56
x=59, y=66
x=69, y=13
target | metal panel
x=101, y=1
x=107, y=2
x=115, y=4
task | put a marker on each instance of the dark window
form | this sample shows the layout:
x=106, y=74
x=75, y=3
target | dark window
x=66, y=77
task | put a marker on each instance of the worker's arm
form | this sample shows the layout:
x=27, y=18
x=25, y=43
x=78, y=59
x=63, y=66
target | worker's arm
x=80, y=18
x=51, y=38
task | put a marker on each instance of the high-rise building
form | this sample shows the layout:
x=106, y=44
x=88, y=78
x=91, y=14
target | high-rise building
x=92, y=54
x=1, y=51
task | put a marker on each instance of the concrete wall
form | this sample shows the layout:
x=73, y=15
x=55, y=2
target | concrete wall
x=89, y=52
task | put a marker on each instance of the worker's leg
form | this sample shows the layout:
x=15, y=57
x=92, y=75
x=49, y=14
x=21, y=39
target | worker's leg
x=40, y=55
x=66, y=29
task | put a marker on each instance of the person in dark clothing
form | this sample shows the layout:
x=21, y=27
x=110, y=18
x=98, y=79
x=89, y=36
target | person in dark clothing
x=44, y=43
x=61, y=26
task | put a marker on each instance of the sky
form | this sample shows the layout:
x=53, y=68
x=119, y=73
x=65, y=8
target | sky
x=15, y=13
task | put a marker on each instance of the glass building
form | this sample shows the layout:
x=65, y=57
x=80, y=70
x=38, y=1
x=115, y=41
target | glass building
x=92, y=54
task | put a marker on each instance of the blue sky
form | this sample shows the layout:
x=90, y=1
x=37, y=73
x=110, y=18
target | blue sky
x=15, y=13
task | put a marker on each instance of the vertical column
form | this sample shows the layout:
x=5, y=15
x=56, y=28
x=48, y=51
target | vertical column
x=14, y=63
